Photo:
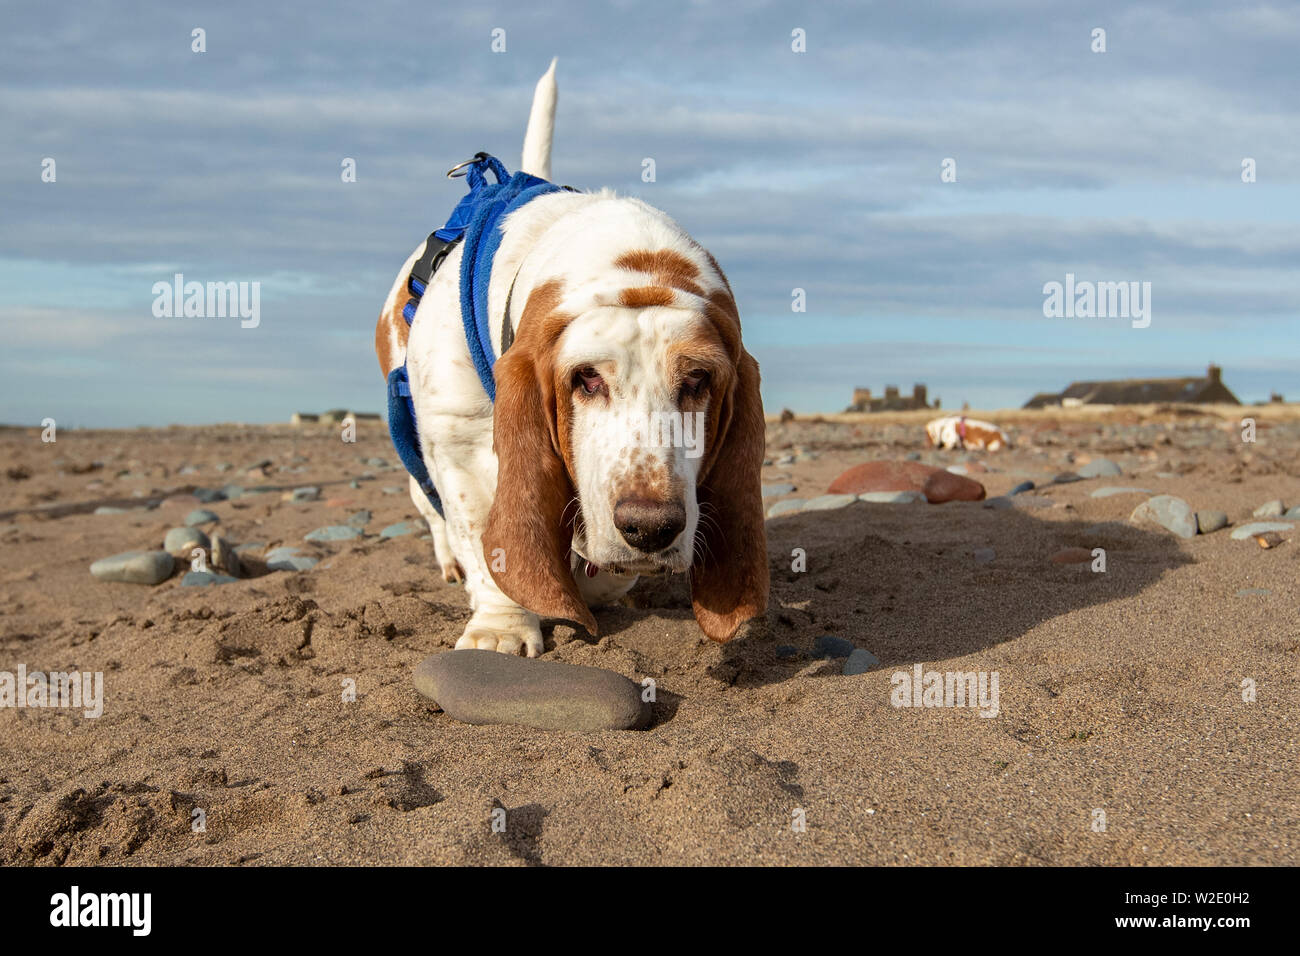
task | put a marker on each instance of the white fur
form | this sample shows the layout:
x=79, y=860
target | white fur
x=945, y=433
x=574, y=237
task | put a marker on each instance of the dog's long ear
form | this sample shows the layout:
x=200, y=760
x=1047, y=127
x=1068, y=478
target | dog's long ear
x=526, y=542
x=729, y=579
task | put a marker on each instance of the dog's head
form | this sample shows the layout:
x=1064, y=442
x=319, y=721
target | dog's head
x=629, y=428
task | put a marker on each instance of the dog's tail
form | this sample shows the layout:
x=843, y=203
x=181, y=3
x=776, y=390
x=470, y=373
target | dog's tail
x=541, y=127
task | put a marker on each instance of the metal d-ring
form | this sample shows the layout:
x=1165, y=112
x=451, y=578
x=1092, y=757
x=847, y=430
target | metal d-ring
x=454, y=172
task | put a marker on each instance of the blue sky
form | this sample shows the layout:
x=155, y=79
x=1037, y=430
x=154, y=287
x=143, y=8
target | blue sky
x=817, y=170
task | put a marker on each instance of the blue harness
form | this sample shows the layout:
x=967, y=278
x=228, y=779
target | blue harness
x=474, y=223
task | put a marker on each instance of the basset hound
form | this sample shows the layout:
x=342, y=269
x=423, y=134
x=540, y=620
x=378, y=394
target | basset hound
x=627, y=435
x=958, y=431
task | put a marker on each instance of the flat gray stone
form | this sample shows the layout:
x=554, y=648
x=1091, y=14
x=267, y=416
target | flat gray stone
x=1172, y=514
x=485, y=687
x=1100, y=468
x=1021, y=488
x=291, y=563
x=859, y=662
x=829, y=502
x=109, y=510
x=360, y=519
x=198, y=579
x=403, y=527
x=828, y=645
x=135, y=567
x=1111, y=490
x=1260, y=527
x=788, y=507
x=1210, y=521
x=1254, y=592
x=1000, y=503
x=1024, y=500
x=334, y=532
x=1270, y=509
x=892, y=497
x=1293, y=512
x=306, y=493
x=200, y=516
x=776, y=491
x=179, y=542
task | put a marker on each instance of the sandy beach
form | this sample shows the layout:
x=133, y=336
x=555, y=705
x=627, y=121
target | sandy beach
x=1120, y=692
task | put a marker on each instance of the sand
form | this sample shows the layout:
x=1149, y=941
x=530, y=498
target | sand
x=1119, y=692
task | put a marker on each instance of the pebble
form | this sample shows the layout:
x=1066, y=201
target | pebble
x=1172, y=514
x=1270, y=509
x=1111, y=490
x=1031, y=501
x=830, y=646
x=1210, y=521
x=392, y=489
x=1259, y=527
x=882, y=476
x=1072, y=556
x=829, y=502
x=306, y=493
x=207, y=496
x=859, y=662
x=360, y=519
x=1000, y=503
x=403, y=527
x=291, y=563
x=788, y=507
x=1066, y=477
x=486, y=687
x=224, y=557
x=893, y=497
x=195, y=579
x=1100, y=468
x=200, y=516
x=333, y=532
x=984, y=555
x=1269, y=539
x=1253, y=592
x=109, y=510
x=944, y=486
x=1294, y=512
x=233, y=491
x=1021, y=488
x=179, y=542
x=776, y=491
x=135, y=567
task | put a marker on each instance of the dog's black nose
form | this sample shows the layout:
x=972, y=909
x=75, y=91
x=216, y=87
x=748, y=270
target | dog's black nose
x=647, y=525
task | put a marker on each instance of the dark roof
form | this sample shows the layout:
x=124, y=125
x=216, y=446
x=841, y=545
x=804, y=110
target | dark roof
x=1141, y=391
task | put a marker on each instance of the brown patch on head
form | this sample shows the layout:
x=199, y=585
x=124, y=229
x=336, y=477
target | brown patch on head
x=668, y=268
x=529, y=521
x=645, y=296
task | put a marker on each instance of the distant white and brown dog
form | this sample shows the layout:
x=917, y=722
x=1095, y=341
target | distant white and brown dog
x=556, y=497
x=958, y=431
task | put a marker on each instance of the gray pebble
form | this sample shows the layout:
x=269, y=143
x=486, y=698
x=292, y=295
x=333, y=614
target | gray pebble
x=1022, y=487
x=195, y=579
x=1000, y=503
x=788, y=507
x=334, y=532
x=1293, y=512
x=233, y=491
x=860, y=662
x=485, y=687
x=1066, y=477
x=360, y=519
x=829, y=502
x=830, y=646
x=291, y=563
x=1111, y=490
x=306, y=493
x=1253, y=592
x=1270, y=509
x=135, y=567
x=892, y=497
x=1172, y=514
x=1259, y=527
x=1210, y=521
x=208, y=495
x=403, y=527
x=776, y=491
x=109, y=510
x=200, y=516
x=179, y=542
x=1100, y=468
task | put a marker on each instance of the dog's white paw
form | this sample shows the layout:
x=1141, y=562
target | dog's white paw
x=505, y=633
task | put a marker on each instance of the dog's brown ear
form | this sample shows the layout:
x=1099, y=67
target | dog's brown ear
x=526, y=542
x=729, y=579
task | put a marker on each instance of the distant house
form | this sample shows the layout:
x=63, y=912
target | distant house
x=1206, y=389
x=891, y=401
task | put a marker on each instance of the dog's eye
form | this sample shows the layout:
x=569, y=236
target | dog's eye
x=589, y=380
x=695, y=381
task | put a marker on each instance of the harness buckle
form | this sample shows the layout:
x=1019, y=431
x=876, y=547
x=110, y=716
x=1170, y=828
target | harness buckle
x=456, y=171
